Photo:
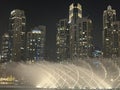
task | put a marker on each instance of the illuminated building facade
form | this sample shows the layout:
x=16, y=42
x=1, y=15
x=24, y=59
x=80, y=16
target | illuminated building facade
x=62, y=39
x=74, y=38
x=80, y=33
x=85, y=37
x=75, y=13
x=5, y=48
x=111, y=33
x=17, y=35
x=81, y=38
x=116, y=39
x=36, y=44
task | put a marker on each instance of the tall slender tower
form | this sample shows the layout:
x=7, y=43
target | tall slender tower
x=85, y=44
x=80, y=33
x=116, y=39
x=109, y=17
x=62, y=40
x=75, y=13
x=17, y=35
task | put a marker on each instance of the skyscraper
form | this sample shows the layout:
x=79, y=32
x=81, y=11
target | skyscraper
x=116, y=39
x=75, y=13
x=36, y=44
x=80, y=33
x=5, y=54
x=110, y=33
x=17, y=35
x=74, y=36
x=85, y=37
x=62, y=39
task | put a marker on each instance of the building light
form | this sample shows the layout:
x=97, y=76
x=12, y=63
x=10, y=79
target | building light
x=71, y=7
x=114, y=30
x=60, y=28
x=23, y=23
x=36, y=31
x=80, y=15
x=33, y=39
x=13, y=12
x=21, y=48
x=107, y=39
x=33, y=49
x=90, y=21
x=69, y=21
x=83, y=32
x=58, y=42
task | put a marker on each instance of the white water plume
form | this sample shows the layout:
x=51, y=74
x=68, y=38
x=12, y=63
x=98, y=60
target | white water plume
x=78, y=74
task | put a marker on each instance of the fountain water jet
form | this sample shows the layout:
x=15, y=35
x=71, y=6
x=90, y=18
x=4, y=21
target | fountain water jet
x=80, y=74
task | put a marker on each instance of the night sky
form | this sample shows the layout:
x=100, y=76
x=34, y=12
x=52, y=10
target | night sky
x=48, y=12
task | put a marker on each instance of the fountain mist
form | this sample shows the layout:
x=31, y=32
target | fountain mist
x=78, y=74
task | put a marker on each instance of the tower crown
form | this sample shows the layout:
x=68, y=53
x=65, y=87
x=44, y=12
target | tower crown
x=75, y=10
x=17, y=13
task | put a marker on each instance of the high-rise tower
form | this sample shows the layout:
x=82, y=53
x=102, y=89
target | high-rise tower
x=75, y=13
x=36, y=44
x=80, y=33
x=62, y=39
x=116, y=39
x=109, y=19
x=17, y=35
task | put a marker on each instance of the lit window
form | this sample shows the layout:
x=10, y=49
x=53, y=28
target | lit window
x=83, y=32
x=21, y=48
x=107, y=39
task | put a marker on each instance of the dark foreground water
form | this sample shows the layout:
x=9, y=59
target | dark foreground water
x=49, y=89
x=9, y=87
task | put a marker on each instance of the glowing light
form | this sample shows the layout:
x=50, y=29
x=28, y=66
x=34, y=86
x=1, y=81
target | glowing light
x=12, y=12
x=107, y=39
x=38, y=86
x=36, y=31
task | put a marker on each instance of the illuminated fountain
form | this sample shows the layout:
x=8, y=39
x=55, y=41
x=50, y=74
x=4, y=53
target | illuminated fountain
x=68, y=75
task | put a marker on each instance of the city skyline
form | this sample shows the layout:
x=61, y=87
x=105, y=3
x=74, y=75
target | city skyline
x=49, y=13
x=65, y=44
